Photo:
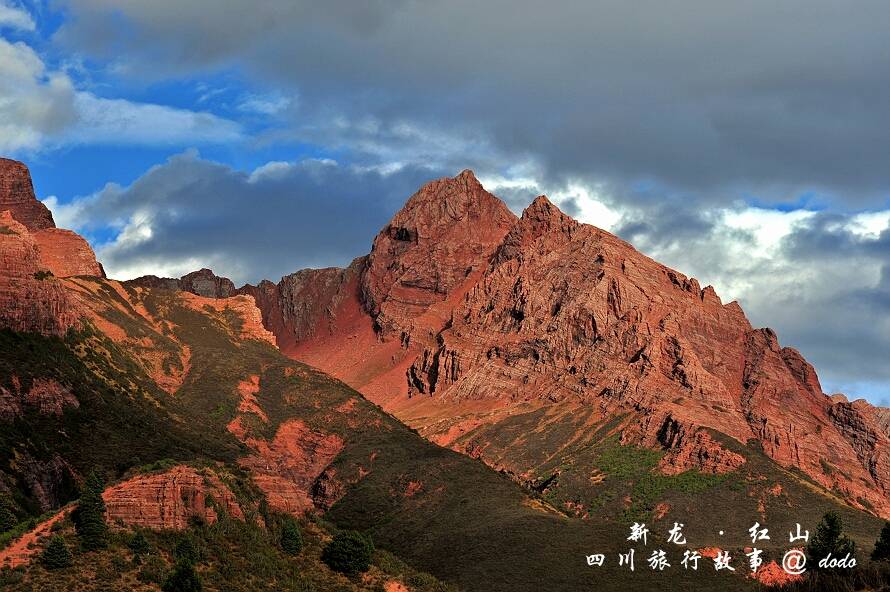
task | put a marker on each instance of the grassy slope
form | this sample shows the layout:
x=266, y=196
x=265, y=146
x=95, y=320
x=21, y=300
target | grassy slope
x=466, y=523
x=235, y=556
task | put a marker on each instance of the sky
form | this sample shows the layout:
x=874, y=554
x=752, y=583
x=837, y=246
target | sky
x=744, y=144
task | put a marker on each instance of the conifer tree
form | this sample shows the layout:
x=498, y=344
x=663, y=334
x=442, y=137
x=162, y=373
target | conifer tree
x=349, y=553
x=829, y=538
x=8, y=519
x=291, y=537
x=882, y=545
x=139, y=545
x=183, y=578
x=56, y=554
x=89, y=517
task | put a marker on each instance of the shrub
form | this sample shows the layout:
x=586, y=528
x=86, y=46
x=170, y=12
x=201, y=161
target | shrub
x=349, y=553
x=291, y=537
x=882, y=545
x=152, y=572
x=183, y=578
x=56, y=555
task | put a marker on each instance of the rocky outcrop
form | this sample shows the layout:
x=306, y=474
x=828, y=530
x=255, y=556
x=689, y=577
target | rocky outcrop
x=305, y=304
x=250, y=321
x=201, y=283
x=33, y=255
x=293, y=469
x=170, y=500
x=32, y=299
x=687, y=446
x=50, y=481
x=45, y=396
x=66, y=253
x=17, y=196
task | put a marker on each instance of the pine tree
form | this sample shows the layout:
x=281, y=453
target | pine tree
x=186, y=550
x=882, y=545
x=183, y=578
x=349, y=553
x=829, y=538
x=291, y=537
x=139, y=545
x=89, y=518
x=56, y=554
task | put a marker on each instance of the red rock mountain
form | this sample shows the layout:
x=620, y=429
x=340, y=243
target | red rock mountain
x=464, y=318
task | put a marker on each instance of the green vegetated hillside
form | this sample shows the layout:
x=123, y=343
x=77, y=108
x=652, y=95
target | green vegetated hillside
x=436, y=510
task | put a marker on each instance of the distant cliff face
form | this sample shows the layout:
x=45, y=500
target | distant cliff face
x=201, y=283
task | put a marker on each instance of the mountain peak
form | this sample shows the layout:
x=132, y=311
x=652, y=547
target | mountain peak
x=542, y=209
x=17, y=196
x=467, y=175
x=448, y=228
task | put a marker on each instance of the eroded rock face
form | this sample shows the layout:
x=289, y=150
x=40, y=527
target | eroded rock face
x=251, y=320
x=31, y=298
x=17, y=196
x=66, y=253
x=305, y=304
x=49, y=397
x=33, y=255
x=50, y=481
x=170, y=500
x=293, y=469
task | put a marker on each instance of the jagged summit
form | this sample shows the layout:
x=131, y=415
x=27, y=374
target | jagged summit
x=447, y=230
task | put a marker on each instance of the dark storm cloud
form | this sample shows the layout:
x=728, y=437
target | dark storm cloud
x=702, y=96
x=282, y=218
x=676, y=110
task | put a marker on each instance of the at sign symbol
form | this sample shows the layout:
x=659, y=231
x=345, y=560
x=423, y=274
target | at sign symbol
x=794, y=562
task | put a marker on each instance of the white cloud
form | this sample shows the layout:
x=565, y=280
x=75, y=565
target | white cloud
x=869, y=225
x=40, y=108
x=119, y=121
x=15, y=17
x=34, y=103
x=270, y=104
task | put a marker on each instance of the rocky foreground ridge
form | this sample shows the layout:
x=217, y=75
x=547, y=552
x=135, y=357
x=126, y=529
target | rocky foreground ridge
x=464, y=316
